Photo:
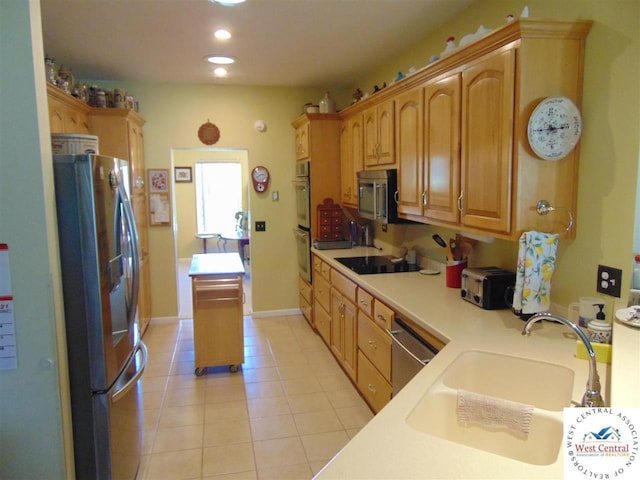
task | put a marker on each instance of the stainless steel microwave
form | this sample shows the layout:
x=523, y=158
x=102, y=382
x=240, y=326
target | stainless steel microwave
x=377, y=196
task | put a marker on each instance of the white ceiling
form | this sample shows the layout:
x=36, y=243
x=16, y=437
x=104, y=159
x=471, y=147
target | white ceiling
x=315, y=43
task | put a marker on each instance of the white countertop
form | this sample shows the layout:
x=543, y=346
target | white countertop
x=216, y=264
x=388, y=447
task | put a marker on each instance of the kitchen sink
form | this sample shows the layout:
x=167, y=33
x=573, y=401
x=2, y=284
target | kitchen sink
x=546, y=386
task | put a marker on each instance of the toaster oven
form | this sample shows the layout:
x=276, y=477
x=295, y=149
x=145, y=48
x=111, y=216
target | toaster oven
x=488, y=287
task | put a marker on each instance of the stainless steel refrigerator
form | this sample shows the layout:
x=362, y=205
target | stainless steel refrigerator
x=100, y=278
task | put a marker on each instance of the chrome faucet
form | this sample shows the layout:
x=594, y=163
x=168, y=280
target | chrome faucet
x=591, y=397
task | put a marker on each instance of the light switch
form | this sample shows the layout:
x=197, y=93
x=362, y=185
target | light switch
x=275, y=196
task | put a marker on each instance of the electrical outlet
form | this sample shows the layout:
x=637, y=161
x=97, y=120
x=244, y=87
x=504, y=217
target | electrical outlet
x=262, y=227
x=609, y=280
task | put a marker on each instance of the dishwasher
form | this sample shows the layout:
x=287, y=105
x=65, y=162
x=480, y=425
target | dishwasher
x=409, y=353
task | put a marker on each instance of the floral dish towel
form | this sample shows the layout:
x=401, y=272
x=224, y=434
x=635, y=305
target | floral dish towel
x=536, y=263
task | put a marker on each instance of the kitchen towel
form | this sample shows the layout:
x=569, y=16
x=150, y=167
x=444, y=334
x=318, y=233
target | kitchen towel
x=536, y=263
x=494, y=412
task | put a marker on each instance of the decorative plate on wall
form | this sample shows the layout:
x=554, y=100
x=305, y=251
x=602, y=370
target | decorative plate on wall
x=208, y=133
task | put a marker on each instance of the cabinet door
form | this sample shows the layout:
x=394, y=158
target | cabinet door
x=322, y=321
x=65, y=119
x=370, y=122
x=487, y=142
x=409, y=152
x=351, y=159
x=442, y=149
x=337, y=323
x=386, y=134
x=302, y=141
x=136, y=157
x=350, y=338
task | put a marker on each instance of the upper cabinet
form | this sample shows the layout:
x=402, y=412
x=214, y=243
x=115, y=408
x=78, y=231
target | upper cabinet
x=379, y=139
x=487, y=142
x=460, y=139
x=302, y=141
x=351, y=159
x=66, y=113
x=121, y=135
x=321, y=132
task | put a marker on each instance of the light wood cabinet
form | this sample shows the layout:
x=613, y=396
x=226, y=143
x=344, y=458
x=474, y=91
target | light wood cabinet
x=471, y=167
x=487, y=142
x=302, y=141
x=409, y=149
x=323, y=153
x=375, y=344
x=429, y=165
x=351, y=159
x=66, y=113
x=379, y=135
x=441, y=170
x=343, y=322
x=306, y=300
x=373, y=386
x=120, y=133
x=218, y=332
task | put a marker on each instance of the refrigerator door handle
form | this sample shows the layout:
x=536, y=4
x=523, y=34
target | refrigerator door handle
x=118, y=394
x=135, y=256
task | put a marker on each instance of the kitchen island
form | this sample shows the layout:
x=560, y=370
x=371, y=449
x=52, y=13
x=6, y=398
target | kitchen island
x=388, y=447
x=218, y=332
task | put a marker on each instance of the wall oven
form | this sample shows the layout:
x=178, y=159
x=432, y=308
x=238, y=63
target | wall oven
x=303, y=198
x=303, y=219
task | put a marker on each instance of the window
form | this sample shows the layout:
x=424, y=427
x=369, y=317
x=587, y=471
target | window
x=218, y=196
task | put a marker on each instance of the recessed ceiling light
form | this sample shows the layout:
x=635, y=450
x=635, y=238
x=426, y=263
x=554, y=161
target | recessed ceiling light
x=222, y=34
x=220, y=72
x=228, y=3
x=220, y=59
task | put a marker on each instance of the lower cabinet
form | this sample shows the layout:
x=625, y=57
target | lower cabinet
x=343, y=322
x=352, y=323
x=306, y=300
x=218, y=330
x=322, y=321
x=372, y=385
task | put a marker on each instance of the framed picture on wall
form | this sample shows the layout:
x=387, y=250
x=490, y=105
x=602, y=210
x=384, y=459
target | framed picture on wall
x=182, y=174
x=158, y=180
x=159, y=198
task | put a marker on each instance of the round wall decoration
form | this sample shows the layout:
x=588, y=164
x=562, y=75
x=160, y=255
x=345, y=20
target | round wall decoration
x=554, y=128
x=208, y=133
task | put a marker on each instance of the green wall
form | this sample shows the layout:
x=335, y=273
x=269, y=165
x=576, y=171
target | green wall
x=34, y=410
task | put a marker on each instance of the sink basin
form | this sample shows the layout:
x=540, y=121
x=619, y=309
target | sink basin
x=546, y=386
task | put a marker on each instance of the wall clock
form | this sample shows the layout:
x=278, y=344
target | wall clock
x=260, y=178
x=554, y=128
x=208, y=133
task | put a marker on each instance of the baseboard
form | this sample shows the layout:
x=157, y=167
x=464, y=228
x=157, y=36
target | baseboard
x=164, y=320
x=277, y=313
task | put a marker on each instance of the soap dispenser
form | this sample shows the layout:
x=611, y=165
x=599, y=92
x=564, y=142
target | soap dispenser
x=599, y=329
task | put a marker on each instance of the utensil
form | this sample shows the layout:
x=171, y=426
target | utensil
x=440, y=241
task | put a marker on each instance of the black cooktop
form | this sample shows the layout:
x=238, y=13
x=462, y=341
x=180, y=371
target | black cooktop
x=376, y=264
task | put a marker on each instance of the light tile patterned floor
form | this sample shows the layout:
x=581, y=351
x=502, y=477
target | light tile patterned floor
x=287, y=412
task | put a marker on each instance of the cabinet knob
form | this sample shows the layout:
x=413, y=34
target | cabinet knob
x=139, y=182
x=373, y=344
x=372, y=388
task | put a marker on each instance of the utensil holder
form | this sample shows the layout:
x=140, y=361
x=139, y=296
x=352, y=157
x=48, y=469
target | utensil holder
x=453, y=273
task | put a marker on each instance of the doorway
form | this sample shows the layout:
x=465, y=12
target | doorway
x=198, y=209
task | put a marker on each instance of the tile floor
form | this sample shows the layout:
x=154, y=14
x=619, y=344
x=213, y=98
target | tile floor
x=287, y=412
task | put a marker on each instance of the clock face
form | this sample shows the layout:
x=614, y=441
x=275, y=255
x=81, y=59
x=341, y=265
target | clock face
x=260, y=174
x=260, y=178
x=554, y=128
